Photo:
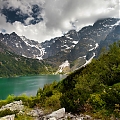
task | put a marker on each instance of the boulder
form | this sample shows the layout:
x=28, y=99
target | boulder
x=52, y=118
x=55, y=115
x=8, y=117
x=16, y=105
x=61, y=115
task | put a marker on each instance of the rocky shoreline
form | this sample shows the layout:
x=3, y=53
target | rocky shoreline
x=38, y=114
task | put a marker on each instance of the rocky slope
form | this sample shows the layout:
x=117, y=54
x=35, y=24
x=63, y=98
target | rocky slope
x=15, y=65
x=21, y=45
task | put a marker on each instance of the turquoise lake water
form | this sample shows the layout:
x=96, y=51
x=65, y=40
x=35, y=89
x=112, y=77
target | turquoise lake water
x=25, y=85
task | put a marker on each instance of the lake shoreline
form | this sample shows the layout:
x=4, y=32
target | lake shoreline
x=30, y=75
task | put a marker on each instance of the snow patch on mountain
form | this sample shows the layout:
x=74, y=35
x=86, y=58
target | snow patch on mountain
x=117, y=23
x=24, y=56
x=67, y=47
x=75, y=42
x=87, y=61
x=17, y=45
x=83, y=56
x=96, y=46
x=37, y=46
x=91, y=49
x=63, y=66
x=67, y=36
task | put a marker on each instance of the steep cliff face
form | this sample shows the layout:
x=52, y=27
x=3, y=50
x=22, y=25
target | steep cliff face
x=22, y=46
x=60, y=44
x=91, y=36
x=89, y=42
x=112, y=37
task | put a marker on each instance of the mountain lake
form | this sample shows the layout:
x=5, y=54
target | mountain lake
x=25, y=85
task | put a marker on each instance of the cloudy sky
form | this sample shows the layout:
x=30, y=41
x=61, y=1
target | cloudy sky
x=42, y=20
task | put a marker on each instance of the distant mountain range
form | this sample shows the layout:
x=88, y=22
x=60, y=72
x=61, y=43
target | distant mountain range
x=75, y=47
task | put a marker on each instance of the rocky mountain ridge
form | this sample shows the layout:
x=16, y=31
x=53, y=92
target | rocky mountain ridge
x=77, y=47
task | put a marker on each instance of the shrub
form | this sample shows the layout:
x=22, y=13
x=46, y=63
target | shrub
x=10, y=98
x=25, y=99
x=3, y=102
x=96, y=101
x=111, y=96
x=53, y=102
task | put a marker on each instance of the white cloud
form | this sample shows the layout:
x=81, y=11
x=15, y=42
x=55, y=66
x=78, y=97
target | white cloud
x=58, y=16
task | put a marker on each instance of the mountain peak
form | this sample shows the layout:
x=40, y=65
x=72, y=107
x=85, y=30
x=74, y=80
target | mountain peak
x=13, y=33
x=106, y=21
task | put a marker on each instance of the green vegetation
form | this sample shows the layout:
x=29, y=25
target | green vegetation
x=93, y=90
x=96, y=87
x=7, y=112
x=13, y=65
x=23, y=117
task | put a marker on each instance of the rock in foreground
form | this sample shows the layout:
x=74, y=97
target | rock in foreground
x=62, y=115
x=8, y=117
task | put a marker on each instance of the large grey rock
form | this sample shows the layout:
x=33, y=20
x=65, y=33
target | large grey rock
x=16, y=105
x=61, y=115
x=8, y=117
x=56, y=115
x=52, y=118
